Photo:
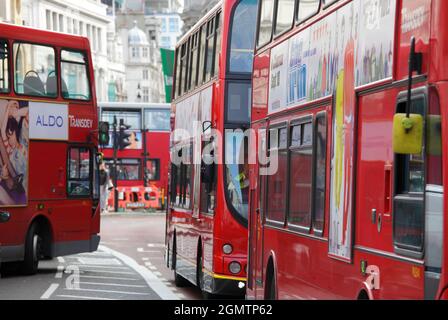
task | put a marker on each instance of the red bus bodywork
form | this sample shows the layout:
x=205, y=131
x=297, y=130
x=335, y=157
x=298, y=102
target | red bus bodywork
x=198, y=232
x=66, y=224
x=293, y=263
x=152, y=191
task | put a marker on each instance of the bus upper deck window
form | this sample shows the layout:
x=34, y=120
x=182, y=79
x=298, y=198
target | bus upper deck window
x=266, y=20
x=285, y=15
x=4, y=70
x=307, y=9
x=75, y=80
x=34, y=70
x=242, y=43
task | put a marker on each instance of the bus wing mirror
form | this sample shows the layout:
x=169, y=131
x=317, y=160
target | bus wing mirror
x=408, y=133
x=434, y=135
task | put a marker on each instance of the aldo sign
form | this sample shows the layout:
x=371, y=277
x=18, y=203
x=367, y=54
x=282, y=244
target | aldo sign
x=48, y=121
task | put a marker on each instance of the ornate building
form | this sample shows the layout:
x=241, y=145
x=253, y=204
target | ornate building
x=194, y=10
x=10, y=11
x=144, y=79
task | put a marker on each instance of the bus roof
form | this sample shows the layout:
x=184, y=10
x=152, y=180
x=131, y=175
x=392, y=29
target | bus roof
x=200, y=22
x=44, y=37
x=133, y=105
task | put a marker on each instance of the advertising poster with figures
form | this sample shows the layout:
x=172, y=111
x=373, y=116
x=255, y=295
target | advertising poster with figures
x=14, y=131
x=350, y=48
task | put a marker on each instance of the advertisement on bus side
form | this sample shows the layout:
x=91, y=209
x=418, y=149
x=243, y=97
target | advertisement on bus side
x=14, y=122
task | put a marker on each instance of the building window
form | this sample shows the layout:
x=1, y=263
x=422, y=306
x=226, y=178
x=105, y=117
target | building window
x=145, y=52
x=100, y=40
x=75, y=27
x=69, y=25
x=135, y=52
x=55, y=21
x=145, y=95
x=165, y=42
x=145, y=74
x=61, y=23
x=174, y=24
x=163, y=28
x=48, y=19
x=88, y=31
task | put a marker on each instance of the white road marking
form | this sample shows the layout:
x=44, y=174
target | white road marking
x=47, y=294
x=158, y=286
x=156, y=245
x=82, y=297
x=59, y=272
x=109, y=291
x=99, y=267
x=152, y=268
x=148, y=264
x=112, y=272
x=145, y=259
x=157, y=273
x=61, y=260
x=113, y=284
x=109, y=278
x=146, y=251
x=100, y=261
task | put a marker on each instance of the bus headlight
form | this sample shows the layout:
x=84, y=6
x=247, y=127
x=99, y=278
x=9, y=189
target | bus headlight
x=235, y=267
x=227, y=248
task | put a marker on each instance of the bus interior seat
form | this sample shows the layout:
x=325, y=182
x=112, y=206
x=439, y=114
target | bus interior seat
x=52, y=85
x=32, y=85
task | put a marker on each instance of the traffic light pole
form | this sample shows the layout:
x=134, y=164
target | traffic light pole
x=115, y=142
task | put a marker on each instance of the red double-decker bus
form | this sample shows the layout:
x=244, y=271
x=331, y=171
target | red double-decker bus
x=48, y=154
x=206, y=238
x=142, y=168
x=353, y=211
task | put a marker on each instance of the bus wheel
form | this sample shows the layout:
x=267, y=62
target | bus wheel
x=179, y=281
x=271, y=294
x=33, y=250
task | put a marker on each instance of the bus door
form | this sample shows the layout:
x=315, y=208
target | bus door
x=81, y=188
x=418, y=200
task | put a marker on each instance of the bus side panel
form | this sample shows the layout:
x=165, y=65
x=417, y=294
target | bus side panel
x=439, y=44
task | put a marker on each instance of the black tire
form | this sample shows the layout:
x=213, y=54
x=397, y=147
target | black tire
x=33, y=250
x=271, y=293
x=179, y=281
